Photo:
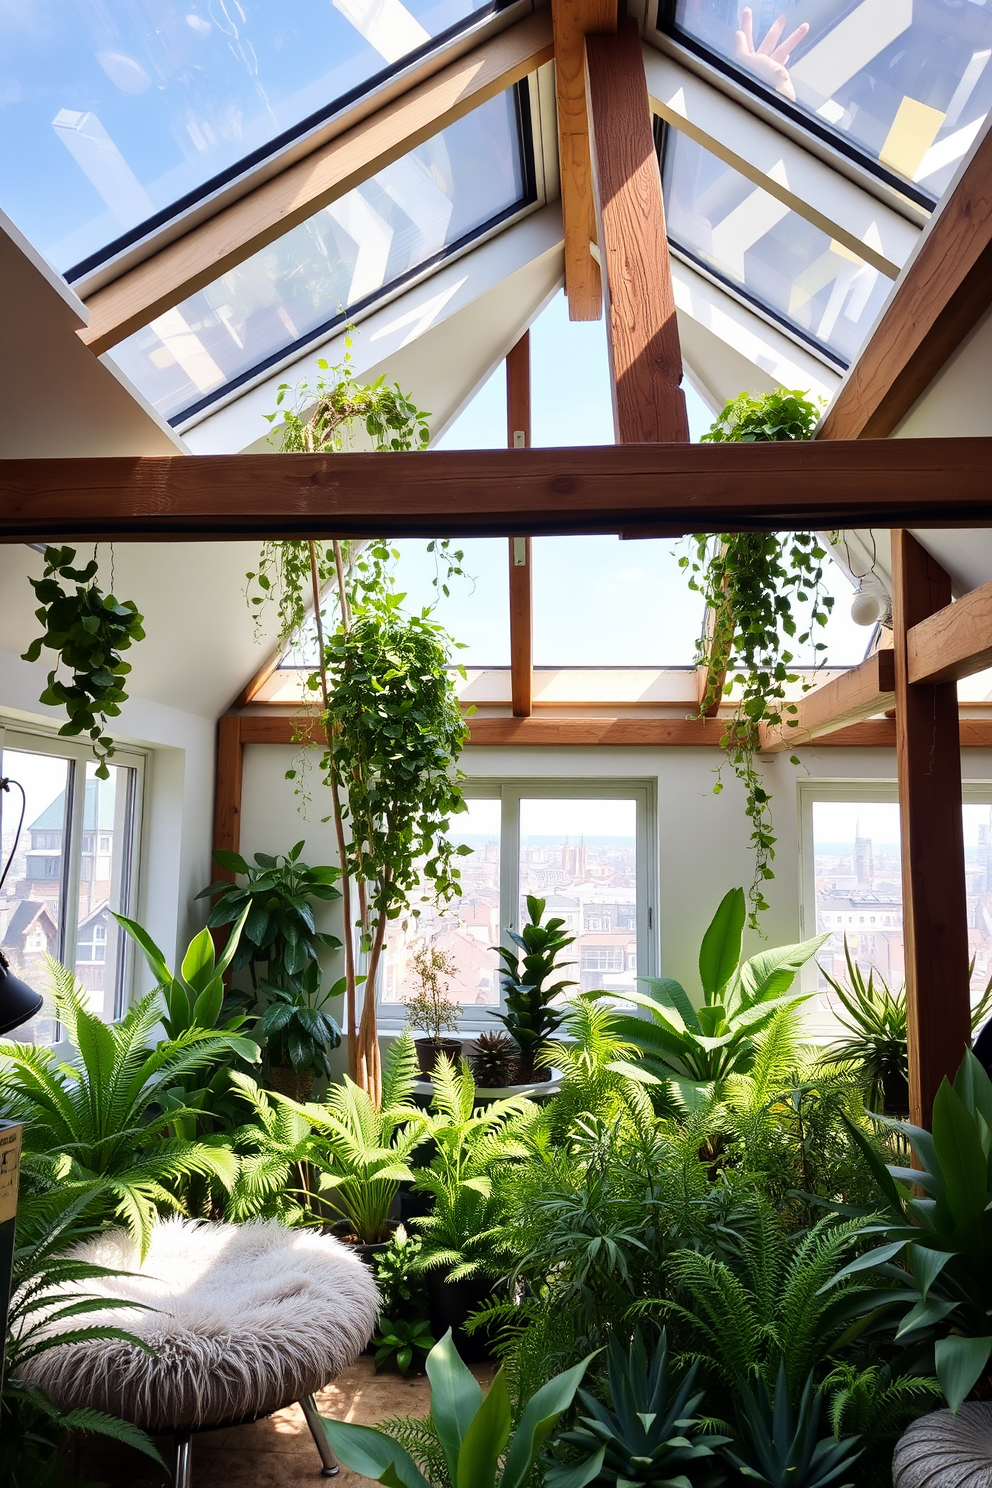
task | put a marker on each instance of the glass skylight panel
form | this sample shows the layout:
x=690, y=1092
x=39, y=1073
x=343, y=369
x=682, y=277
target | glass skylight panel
x=905, y=83
x=115, y=114
x=750, y=239
x=601, y=602
x=407, y=217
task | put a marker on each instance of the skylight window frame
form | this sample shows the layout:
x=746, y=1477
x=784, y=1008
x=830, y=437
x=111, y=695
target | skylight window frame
x=340, y=114
x=807, y=125
x=527, y=110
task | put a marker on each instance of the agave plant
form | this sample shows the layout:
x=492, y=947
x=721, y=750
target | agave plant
x=474, y=1430
x=650, y=1433
x=471, y=1144
x=31, y=1426
x=105, y=1111
x=779, y=1445
x=698, y=1047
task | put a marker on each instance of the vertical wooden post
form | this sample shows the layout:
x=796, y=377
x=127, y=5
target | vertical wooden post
x=521, y=583
x=645, y=355
x=935, y=906
x=227, y=787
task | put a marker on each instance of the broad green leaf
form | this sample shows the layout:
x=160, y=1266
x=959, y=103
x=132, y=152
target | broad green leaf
x=720, y=952
x=960, y=1364
x=771, y=973
x=372, y=1454
x=455, y=1397
x=485, y=1438
x=926, y=1265
x=974, y=1087
x=538, y=1421
x=198, y=966
x=576, y=1477
x=866, y=1262
x=959, y=1151
x=925, y=1315
x=232, y=943
x=671, y=994
x=232, y=862
x=153, y=955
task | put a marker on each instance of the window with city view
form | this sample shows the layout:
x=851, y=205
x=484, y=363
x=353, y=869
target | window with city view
x=857, y=889
x=579, y=854
x=70, y=873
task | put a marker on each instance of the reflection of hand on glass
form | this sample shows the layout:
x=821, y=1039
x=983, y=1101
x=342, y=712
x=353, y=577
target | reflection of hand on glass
x=768, y=60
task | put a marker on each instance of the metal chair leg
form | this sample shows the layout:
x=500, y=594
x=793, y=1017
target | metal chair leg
x=183, y=1475
x=330, y=1467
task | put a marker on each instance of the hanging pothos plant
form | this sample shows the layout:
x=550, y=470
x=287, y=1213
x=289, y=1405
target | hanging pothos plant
x=89, y=630
x=764, y=598
x=389, y=712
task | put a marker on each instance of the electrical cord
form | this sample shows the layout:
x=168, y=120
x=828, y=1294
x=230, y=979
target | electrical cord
x=5, y=784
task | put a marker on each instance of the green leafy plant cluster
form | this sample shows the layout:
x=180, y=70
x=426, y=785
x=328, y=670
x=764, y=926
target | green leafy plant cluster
x=89, y=630
x=531, y=1017
x=765, y=600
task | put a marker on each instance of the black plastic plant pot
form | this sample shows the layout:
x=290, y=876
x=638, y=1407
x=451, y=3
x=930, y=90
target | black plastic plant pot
x=895, y=1095
x=429, y=1049
x=449, y=1304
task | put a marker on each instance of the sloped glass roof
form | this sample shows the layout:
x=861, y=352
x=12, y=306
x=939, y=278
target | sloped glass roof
x=128, y=110
x=905, y=84
x=408, y=217
x=748, y=238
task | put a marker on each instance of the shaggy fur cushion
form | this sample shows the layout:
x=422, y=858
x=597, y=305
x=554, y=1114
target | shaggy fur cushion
x=249, y=1318
x=945, y=1451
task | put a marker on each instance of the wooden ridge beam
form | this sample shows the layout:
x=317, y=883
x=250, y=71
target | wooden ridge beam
x=850, y=698
x=634, y=489
x=954, y=642
x=573, y=21
x=642, y=333
x=943, y=291
x=284, y=201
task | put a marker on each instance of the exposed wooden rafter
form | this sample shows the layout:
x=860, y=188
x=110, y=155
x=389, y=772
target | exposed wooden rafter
x=860, y=693
x=940, y=296
x=284, y=201
x=635, y=489
x=955, y=642
x=521, y=576
x=643, y=337
x=573, y=21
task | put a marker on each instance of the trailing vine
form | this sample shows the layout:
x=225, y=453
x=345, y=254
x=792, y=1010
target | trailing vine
x=764, y=600
x=89, y=630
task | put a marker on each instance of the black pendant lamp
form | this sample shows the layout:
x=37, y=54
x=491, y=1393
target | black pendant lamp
x=18, y=1001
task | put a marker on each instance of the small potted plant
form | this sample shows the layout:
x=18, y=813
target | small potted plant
x=431, y=1010
x=529, y=988
x=494, y=1061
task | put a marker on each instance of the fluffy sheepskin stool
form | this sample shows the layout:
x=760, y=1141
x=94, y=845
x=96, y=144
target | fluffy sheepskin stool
x=248, y=1319
x=945, y=1451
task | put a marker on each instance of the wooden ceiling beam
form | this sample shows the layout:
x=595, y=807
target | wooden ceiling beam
x=638, y=490
x=285, y=200
x=573, y=21
x=941, y=294
x=953, y=643
x=852, y=697
x=642, y=333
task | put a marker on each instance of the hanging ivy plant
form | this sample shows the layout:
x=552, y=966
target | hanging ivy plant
x=89, y=630
x=763, y=591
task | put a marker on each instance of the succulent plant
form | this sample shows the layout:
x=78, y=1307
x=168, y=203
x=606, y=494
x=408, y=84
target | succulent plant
x=494, y=1060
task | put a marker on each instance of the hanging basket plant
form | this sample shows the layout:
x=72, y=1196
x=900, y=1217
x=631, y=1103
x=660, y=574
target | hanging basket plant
x=765, y=600
x=88, y=630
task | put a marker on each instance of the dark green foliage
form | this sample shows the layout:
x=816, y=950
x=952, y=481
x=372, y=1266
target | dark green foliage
x=650, y=1432
x=295, y=1028
x=779, y=1445
x=276, y=900
x=398, y=1275
x=873, y=1403
x=530, y=1019
x=89, y=630
x=765, y=593
x=405, y=1342
x=876, y=1035
x=494, y=1060
x=935, y=1261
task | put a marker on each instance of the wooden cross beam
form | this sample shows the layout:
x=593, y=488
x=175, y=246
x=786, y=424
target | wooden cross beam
x=863, y=692
x=954, y=642
x=637, y=490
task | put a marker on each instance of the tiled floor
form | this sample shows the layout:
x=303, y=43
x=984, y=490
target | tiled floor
x=276, y=1453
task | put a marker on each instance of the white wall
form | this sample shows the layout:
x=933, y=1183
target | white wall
x=702, y=838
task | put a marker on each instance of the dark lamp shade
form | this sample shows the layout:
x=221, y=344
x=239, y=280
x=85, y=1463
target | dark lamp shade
x=18, y=1002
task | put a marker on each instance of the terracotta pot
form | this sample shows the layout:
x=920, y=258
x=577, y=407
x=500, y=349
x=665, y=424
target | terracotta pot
x=291, y=1082
x=429, y=1049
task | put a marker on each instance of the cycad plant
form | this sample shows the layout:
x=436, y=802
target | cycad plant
x=32, y=1429
x=275, y=1150
x=471, y=1146
x=698, y=1047
x=106, y=1112
x=649, y=1433
x=781, y=1445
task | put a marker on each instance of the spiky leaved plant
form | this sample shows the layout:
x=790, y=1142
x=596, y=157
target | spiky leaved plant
x=778, y=1445
x=494, y=1061
x=650, y=1433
